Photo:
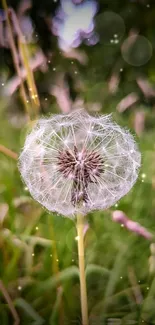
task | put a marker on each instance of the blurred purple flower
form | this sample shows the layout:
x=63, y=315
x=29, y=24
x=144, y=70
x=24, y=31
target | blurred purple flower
x=26, y=27
x=74, y=22
x=120, y=217
x=2, y=15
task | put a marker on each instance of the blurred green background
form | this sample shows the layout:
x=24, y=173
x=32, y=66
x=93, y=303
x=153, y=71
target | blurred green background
x=38, y=250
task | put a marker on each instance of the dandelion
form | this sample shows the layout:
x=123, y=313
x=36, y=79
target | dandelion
x=76, y=163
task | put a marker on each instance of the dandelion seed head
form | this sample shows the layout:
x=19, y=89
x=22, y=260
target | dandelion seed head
x=69, y=169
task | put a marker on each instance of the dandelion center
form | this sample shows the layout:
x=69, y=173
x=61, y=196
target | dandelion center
x=83, y=167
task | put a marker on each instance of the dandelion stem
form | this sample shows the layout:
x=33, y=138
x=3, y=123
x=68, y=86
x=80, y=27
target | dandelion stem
x=83, y=289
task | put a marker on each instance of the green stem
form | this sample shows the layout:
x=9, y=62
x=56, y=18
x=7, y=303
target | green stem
x=83, y=289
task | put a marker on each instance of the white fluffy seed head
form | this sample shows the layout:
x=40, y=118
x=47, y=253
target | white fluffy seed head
x=55, y=164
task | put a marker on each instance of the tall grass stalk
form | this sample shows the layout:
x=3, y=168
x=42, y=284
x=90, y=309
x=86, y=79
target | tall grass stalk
x=25, y=60
x=15, y=57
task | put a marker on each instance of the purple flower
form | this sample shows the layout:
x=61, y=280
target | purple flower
x=73, y=22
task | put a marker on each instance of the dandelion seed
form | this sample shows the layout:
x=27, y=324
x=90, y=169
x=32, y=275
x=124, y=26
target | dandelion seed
x=77, y=163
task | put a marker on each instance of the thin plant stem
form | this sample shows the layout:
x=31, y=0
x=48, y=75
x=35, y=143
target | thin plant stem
x=6, y=151
x=24, y=53
x=10, y=303
x=83, y=288
x=55, y=270
x=15, y=56
x=30, y=77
